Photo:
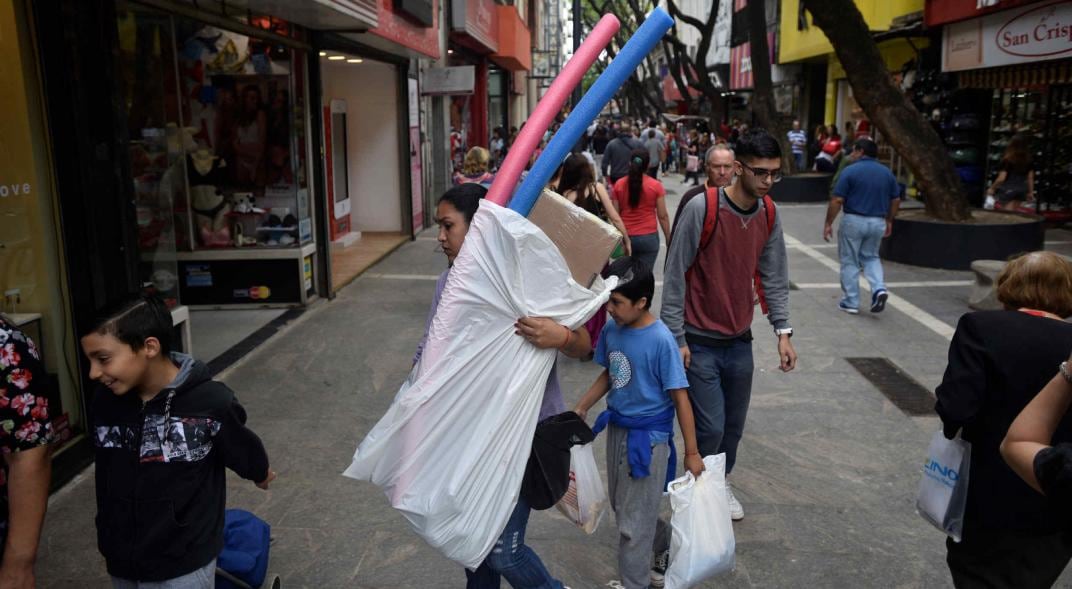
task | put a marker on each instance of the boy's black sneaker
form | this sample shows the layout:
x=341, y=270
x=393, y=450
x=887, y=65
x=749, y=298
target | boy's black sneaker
x=658, y=570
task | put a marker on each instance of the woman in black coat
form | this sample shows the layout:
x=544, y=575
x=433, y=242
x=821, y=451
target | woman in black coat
x=998, y=362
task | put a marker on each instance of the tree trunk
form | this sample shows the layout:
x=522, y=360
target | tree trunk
x=889, y=110
x=762, y=87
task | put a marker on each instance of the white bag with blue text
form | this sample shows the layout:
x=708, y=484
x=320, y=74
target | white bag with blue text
x=451, y=450
x=702, y=544
x=943, y=489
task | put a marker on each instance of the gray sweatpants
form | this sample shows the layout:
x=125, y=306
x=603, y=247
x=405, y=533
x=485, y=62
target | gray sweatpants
x=636, y=502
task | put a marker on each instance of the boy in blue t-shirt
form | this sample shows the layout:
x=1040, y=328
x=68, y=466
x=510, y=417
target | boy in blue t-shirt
x=646, y=381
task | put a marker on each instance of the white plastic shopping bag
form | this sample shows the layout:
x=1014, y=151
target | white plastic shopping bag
x=451, y=450
x=585, y=500
x=943, y=489
x=702, y=543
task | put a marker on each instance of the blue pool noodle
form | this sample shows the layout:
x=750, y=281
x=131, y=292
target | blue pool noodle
x=619, y=70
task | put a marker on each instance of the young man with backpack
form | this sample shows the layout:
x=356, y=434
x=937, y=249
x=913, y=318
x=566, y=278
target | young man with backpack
x=726, y=251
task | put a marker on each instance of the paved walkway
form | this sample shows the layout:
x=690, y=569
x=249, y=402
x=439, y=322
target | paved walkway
x=827, y=471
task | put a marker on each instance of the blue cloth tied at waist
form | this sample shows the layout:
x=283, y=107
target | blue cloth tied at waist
x=639, y=440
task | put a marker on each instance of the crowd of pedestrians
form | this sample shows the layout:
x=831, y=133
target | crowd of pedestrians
x=165, y=432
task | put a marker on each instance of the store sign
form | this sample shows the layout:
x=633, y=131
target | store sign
x=399, y=28
x=446, y=81
x=477, y=19
x=1039, y=33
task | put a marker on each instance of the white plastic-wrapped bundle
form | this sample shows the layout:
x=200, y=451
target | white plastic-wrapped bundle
x=451, y=450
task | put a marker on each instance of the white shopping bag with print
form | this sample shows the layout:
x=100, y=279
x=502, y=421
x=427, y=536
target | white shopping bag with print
x=943, y=489
x=702, y=544
x=585, y=500
x=451, y=450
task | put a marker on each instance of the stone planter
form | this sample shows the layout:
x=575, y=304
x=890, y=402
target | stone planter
x=953, y=246
x=806, y=187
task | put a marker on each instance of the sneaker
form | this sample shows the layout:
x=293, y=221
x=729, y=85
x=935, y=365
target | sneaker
x=736, y=509
x=849, y=310
x=658, y=570
x=878, y=300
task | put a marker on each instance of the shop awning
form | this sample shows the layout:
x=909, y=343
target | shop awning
x=515, y=41
x=324, y=15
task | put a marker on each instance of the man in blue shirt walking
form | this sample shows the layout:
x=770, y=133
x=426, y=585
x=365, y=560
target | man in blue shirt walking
x=869, y=193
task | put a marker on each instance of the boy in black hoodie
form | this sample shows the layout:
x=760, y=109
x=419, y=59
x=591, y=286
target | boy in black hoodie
x=164, y=431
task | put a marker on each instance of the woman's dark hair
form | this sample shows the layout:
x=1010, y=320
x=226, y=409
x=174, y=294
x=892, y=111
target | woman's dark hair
x=1017, y=157
x=757, y=144
x=135, y=320
x=638, y=168
x=636, y=278
x=577, y=175
x=466, y=198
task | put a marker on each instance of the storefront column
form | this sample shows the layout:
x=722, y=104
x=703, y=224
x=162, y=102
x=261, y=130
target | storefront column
x=479, y=124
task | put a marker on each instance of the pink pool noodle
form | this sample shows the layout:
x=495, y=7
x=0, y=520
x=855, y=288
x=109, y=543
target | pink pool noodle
x=528, y=139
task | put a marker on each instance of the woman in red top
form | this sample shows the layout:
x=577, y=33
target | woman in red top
x=641, y=201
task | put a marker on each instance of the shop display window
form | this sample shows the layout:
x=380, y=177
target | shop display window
x=155, y=148
x=1044, y=116
x=216, y=121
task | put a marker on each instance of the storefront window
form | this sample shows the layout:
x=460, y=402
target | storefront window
x=217, y=141
x=157, y=145
x=237, y=98
x=32, y=274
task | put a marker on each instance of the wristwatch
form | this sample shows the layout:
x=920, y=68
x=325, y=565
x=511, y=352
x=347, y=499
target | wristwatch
x=784, y=331
x=1066, y=371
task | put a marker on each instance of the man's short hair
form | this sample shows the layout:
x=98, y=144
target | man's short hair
x=651, y=134
x=869, y=147
x=717, y=147
x=758, y=144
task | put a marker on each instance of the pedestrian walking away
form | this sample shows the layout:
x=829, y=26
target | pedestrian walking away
x=655, y=148
x=1013, y=536
x=641, y=201
x=870, y=196
x=709, y=290
x=615, y=164
x=510, y=557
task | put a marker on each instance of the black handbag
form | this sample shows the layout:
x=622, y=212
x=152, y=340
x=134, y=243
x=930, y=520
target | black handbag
x=547, y=472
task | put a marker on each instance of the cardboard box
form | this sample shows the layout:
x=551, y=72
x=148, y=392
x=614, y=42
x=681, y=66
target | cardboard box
x=583, y=238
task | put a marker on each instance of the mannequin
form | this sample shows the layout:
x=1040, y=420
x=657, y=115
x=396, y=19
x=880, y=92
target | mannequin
x=204, y=171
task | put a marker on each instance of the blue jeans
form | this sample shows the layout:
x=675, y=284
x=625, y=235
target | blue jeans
x=799, y=159
x=720, y=386
x=858, y=240
x=512, y=559
x=646, y=248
